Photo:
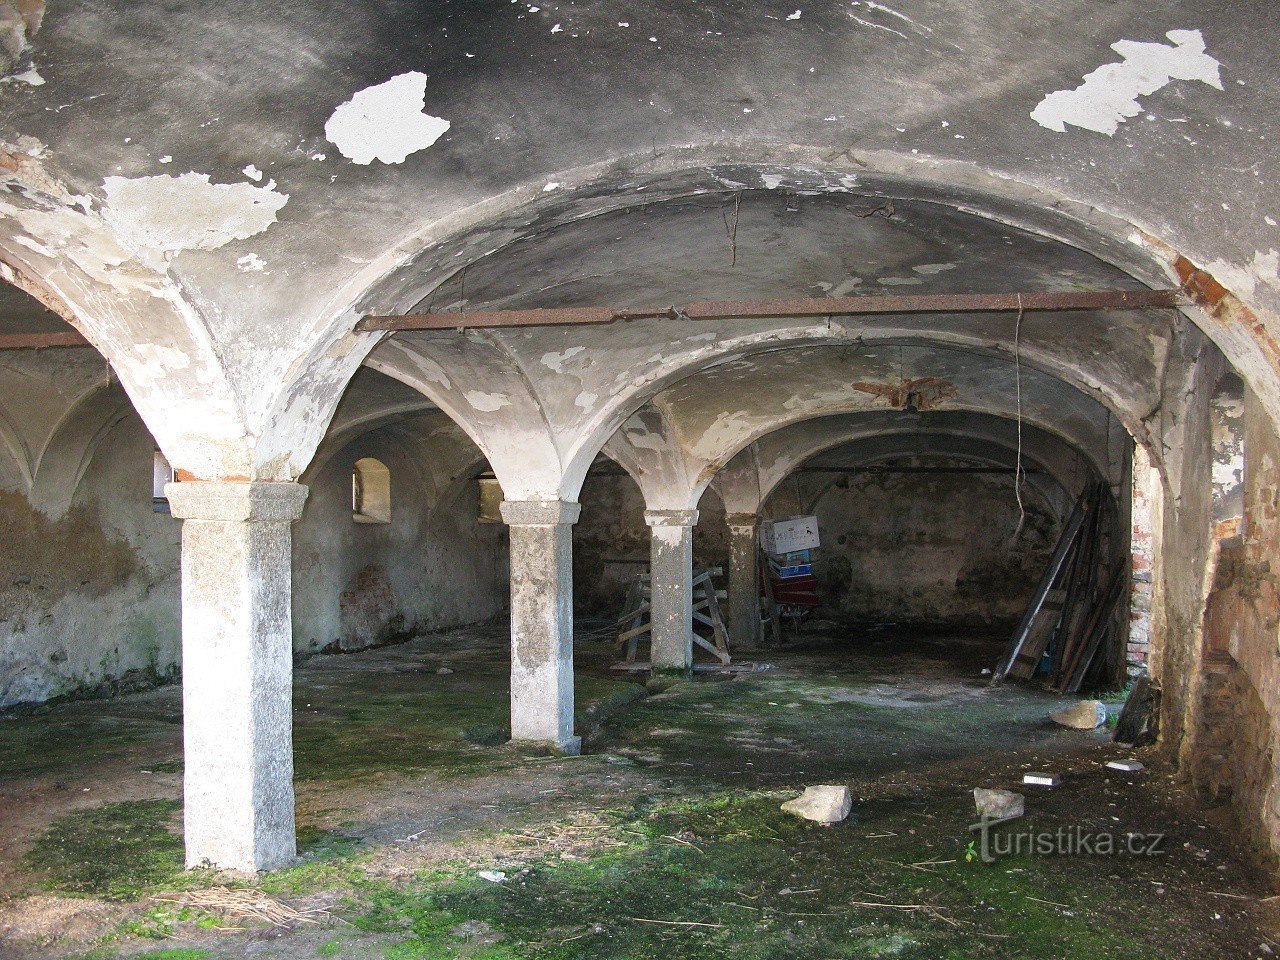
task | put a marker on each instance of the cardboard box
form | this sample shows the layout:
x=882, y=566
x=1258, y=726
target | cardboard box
x=790, y=535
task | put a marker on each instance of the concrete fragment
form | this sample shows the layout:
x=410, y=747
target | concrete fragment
x=1041, y=779
x=999, y=804
x=822, y=804
x=1085, y=715
x=1127, y=766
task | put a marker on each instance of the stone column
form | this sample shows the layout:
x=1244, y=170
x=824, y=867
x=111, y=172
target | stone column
x=237, y=671
x=744, y=579
x=542, y=622
x=671, y=588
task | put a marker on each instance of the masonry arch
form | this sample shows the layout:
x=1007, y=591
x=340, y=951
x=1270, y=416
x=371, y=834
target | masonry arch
x=578, y=432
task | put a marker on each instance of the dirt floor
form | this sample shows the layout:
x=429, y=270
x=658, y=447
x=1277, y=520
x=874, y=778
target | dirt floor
x=424, y=836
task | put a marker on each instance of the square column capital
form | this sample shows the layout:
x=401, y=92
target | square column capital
x=741, y=521
x=671, y=518
x=539, y=513
x=233, y=502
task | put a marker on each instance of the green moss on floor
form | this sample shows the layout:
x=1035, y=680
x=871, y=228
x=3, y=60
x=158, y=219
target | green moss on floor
x=40, y=744
x=402, y=722
x=669, y=842
x=731, y=876
x=115, y=852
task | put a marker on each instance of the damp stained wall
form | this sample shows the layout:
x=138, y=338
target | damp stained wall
x=89, y=597
x=433, y=566
x=611, y=541
x=928, y=548
x=1234, y=700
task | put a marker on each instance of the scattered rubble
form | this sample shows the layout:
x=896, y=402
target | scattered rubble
x=1139, y=720
x=1127, y=766
x=1041, y=779
x=1085, y=715
x=999, y=804
x=822, y=804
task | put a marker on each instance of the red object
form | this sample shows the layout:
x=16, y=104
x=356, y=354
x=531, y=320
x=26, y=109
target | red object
x=796, y=591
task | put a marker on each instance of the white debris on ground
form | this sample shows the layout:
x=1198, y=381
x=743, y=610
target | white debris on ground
x=999, y=804
x=1085, y=715
x=1126, y=766
x=822, y=804
x=1041, y=779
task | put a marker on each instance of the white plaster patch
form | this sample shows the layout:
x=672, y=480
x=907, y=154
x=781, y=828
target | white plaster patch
x=385, y=122
x=1243, y=282
x=932, y=268
x=1109, y=95
x=31, y=77
x=486, y=402
x=169, y=214
x=771, y=181
x=899, y=281
x=1226, y=474
x=640, y=438
x=669, y=535
x=585, y=401
x=251, y=263
x=555, y=361
x=253, y=173
x=845, y=287
x=729, y=430
x=795, y=16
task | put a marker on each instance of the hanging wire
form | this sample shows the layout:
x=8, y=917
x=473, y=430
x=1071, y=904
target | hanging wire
x=1018, y=472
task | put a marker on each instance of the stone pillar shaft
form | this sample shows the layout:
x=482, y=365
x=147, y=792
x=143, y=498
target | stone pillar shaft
x=744, y=579
x=542, y=622
x=237, y=671
x=671, y=588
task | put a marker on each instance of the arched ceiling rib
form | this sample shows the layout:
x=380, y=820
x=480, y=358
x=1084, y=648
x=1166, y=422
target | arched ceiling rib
x=584, y=381
x=779, y=453
x=553, y=113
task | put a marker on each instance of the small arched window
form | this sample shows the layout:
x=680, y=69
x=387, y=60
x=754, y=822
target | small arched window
x=370, y=491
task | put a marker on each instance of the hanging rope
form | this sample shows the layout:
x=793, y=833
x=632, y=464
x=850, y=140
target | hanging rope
x=1018, y=472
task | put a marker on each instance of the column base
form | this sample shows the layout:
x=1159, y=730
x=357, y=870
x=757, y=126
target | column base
x=562, y=748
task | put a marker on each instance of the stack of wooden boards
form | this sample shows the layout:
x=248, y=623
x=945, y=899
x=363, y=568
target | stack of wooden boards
x=1074, y=610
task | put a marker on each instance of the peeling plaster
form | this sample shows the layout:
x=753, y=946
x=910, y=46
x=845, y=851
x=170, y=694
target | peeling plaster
x=486, y=402
x=1263, y=268
x=585, y=401
x=668, y=535
x=165, y=214
x=1109, y=95
x=555, y=361
x=385, y=122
